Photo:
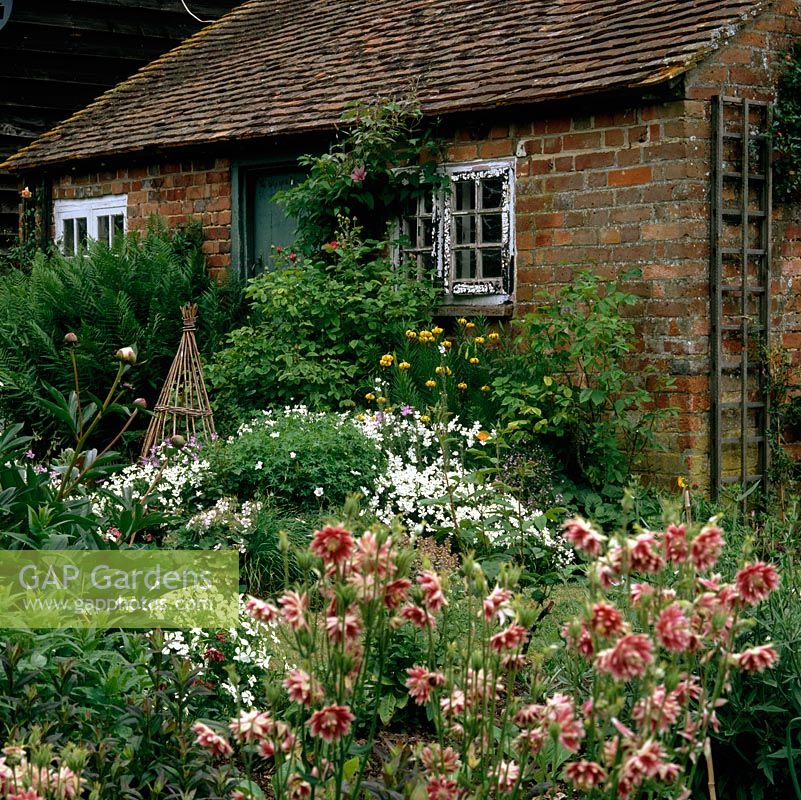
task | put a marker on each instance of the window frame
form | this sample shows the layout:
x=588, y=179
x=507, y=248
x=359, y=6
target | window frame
x=481, y=291
x=91, y=209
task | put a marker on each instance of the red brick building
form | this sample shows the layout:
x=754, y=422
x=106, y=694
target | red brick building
x=582, y=135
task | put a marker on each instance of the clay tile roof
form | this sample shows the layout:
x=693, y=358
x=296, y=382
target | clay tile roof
x=279, y=67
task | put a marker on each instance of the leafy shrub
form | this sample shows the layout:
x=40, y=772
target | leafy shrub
x=126, y=296
x=301, y=457
x=562, y=376
x=787, y=130
x=316, y=328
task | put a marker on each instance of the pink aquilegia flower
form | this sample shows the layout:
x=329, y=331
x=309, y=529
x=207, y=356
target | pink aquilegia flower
x=331, y=723
x=659, y=711
x=420, y=683
x=639, y=591
x=644, y=555
x=251, y=725
x=442, y=789
x=628, y=658
x=583, y=537
x=706, y=547
x=432, y=590
x=333, y=544
x=346, y=628
x=508, y=774
x=676, y=547
x=755, y=582
x=606, y=620
x=756, y=659
x=418, y=616
x=395, y=592
x=560, y=711
x=495, y=601
x=508, y=639
x=298, y=788
x=211, y=740
x=454, y=704
x=293, y=609
x=585, y=775
x=578, y=638
x=673, y=629
x=261, y=610
x=301, y=687
x=439, y=761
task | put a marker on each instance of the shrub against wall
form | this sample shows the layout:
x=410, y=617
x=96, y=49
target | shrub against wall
x=129, y=295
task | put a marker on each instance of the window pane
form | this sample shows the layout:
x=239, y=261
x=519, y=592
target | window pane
x=409, y=230
x=465, y=229
x=69, y=237
x=119, y=226
x=428, y=233
x=465, y=195
x=428, y=203
x=102, y=230
x=491, y=228
x=491, y=192
x=80, y=232
x=490, y=263
x=465, y=266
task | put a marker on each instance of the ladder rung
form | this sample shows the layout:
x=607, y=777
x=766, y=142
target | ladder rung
x=738, y=251
x=752, y=328
x=738, y=406
x=752, y=176
x=738, y=364
x=739, y=289
x=737, y=213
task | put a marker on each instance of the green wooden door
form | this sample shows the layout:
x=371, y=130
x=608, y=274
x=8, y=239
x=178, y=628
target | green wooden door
x=270, y=226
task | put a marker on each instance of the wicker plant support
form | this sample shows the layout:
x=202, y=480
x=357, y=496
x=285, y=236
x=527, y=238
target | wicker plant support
x=183, y=406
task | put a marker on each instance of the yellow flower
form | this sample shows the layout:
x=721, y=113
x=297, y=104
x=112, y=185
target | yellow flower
x=404, y=365
x=479, y=340
x=425, y=418
x=426, y=336
x=386, y=360
x=470, y=325
x=369, y=396
x=461, y=386
x=431, y=384
x=494, y=336
x=443, y=370
x=447, y=344
x=682, y=483
x=485, y=388
x=437, y=331
x=482, y=436
x=474, y=360
x=462, y=321
x=410, y=334
x=381, y=400
x=360, y=417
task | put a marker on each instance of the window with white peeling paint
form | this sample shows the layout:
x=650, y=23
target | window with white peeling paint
x=464, y=236
x=99, y=218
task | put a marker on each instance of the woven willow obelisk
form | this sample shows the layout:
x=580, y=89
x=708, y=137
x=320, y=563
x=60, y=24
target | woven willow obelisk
x=183, y=406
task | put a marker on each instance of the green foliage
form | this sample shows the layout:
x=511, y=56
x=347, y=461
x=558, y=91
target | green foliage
x=787, y=131
x=117, y=695
x=359, y=176
x=126, y=296
x=563, y=376
x=317, y=327
x=291, y=456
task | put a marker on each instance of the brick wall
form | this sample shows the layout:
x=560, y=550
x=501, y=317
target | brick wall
x=177, y=192
x=630, y=187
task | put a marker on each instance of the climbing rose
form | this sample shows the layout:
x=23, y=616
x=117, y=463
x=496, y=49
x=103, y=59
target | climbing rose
x=628, y=658
x=755, y=582
x=585, y=775
x=756, y=659
x=333, y=544
x=331, y=723
x=673, y=629
x=706, y=547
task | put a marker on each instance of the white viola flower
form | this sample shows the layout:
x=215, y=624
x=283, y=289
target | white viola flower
x=319, y=491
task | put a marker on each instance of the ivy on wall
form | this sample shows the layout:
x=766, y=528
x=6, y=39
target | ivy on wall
x=787, y=131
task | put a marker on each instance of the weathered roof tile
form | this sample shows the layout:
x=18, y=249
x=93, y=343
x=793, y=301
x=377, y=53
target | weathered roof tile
x=279, y=67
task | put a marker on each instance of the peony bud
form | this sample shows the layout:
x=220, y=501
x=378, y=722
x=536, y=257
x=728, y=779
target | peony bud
x=127, y=354
x=71, y=338
x=141, y=402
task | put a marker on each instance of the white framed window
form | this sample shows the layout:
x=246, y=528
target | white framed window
x=100, y=218
x=464, y=237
